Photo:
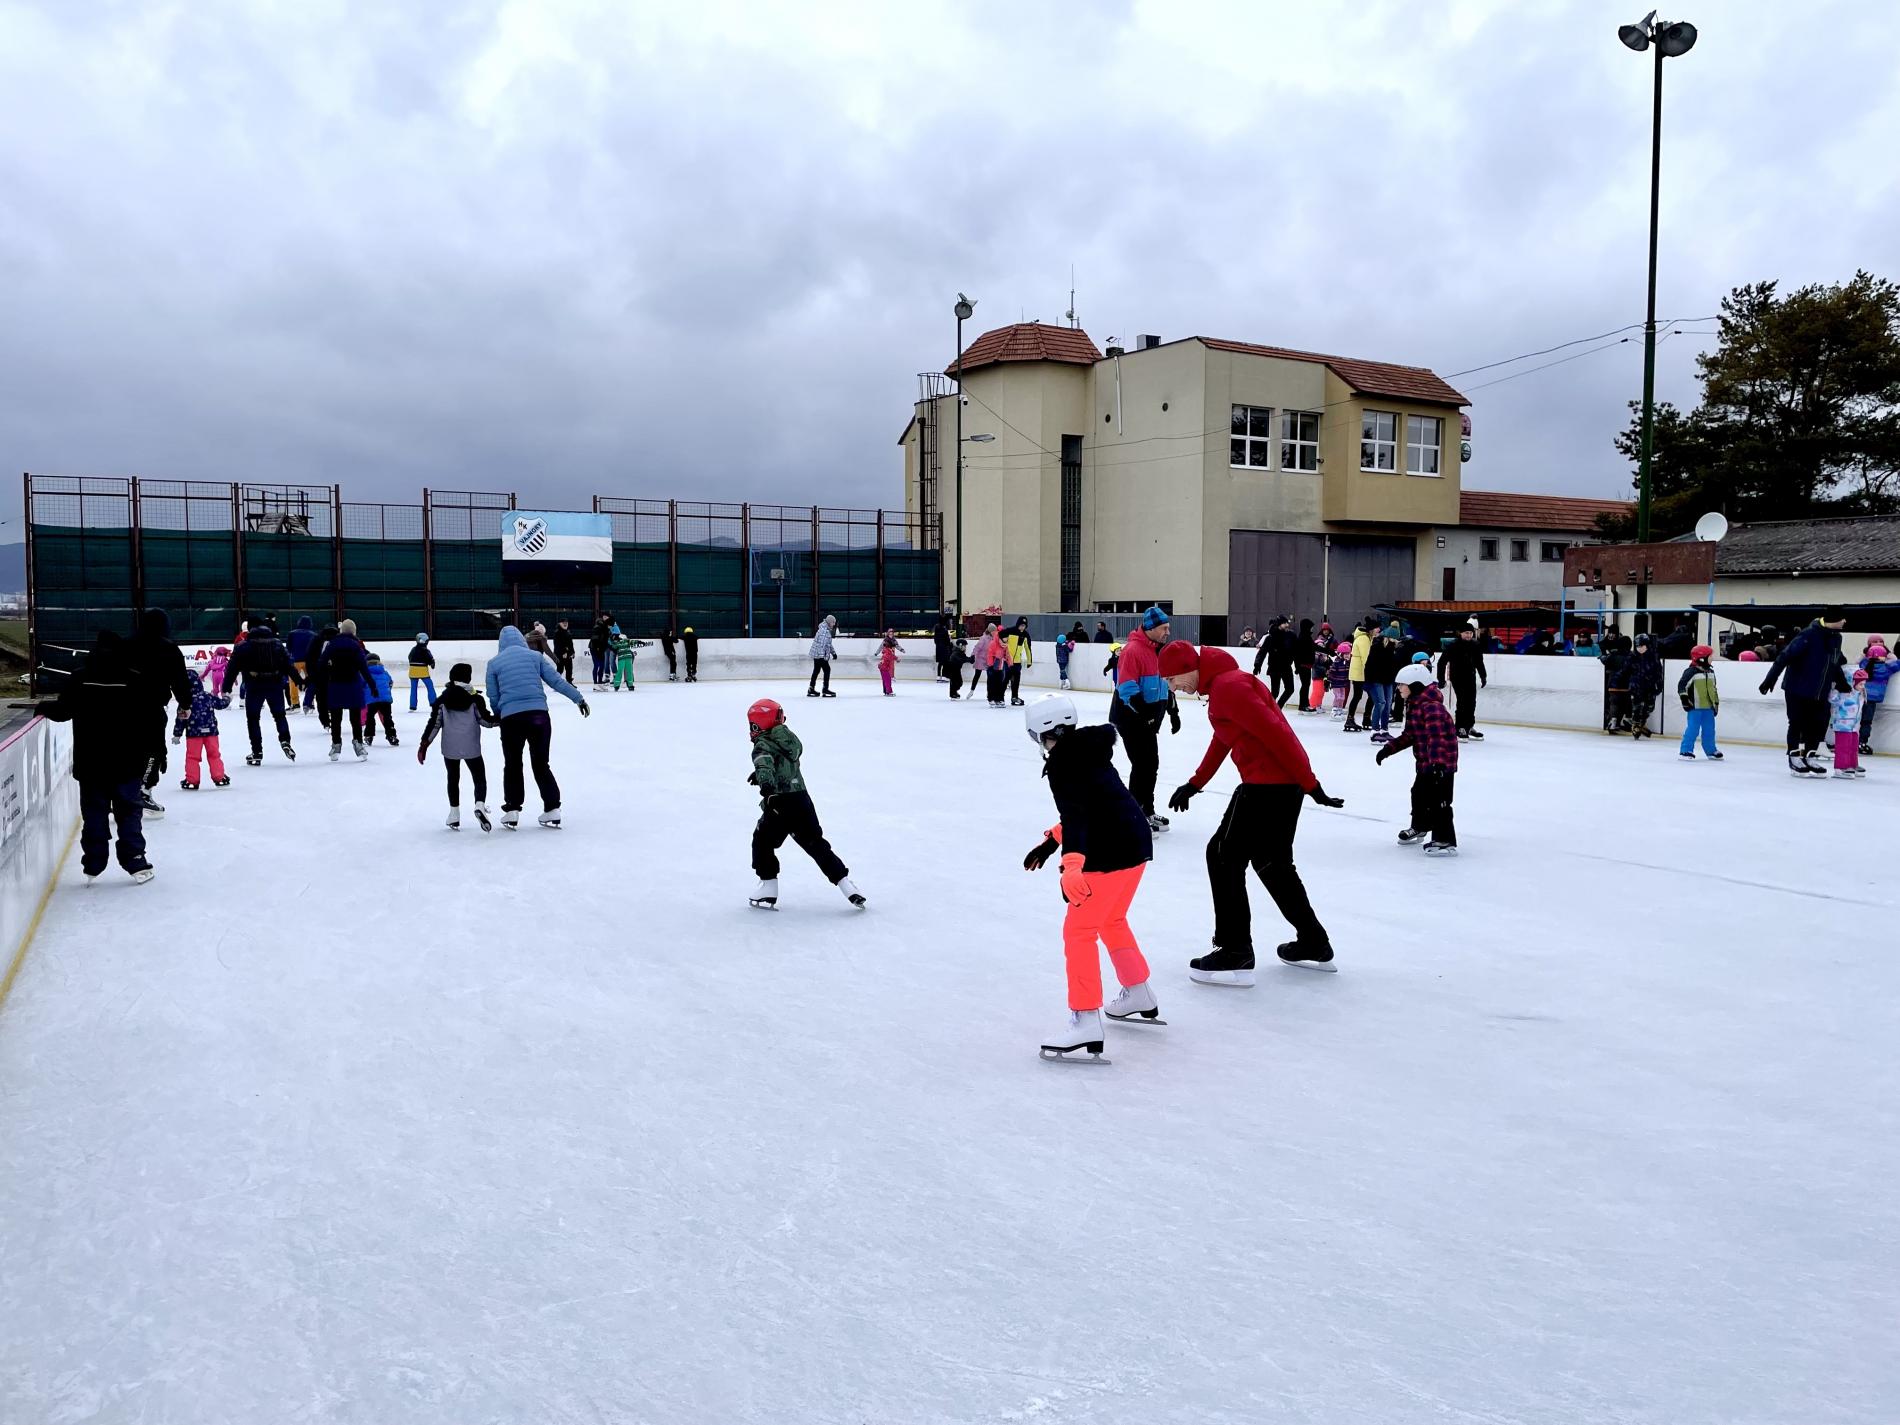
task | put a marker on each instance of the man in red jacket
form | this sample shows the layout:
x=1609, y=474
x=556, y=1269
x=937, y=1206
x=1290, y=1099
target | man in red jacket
x=1261, y=818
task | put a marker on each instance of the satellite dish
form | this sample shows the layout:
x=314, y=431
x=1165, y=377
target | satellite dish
x=1711, y=527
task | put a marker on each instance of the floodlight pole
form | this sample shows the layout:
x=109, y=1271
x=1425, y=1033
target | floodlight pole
x=963, y=309
x=1649, y=322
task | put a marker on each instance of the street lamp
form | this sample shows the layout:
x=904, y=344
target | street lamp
x=965, y=310
x=1670, y=40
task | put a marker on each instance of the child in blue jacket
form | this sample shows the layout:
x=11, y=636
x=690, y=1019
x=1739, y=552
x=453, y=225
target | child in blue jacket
x=197, y=725
x=1879, y=667
x=382, y=696
x=1063, y=650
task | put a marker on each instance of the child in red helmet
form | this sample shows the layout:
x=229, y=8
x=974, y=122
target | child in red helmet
x=1700, y=700
x=1262, y=815
x=785, y=809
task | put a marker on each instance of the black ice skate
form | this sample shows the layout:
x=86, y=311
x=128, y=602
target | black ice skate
x=1411, y=836
x=152, y=808
x=189, y=785
x=254, y=759
x=1308, y=957
x=1233, y=968
x=290, y=753
x=220, y=781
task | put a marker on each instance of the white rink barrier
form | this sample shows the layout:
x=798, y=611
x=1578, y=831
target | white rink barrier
x=1530, y=691
x=39, y=810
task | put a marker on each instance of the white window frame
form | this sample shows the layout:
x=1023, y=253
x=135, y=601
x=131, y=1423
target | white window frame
x=1305, y=452
x=1487, y=551
x=1371, y=442
x=1418, y=450
x=1250, y=442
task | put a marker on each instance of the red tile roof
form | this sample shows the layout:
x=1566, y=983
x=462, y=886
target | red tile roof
x=1495, y=509
x=1367, y=378
x=1030, y=341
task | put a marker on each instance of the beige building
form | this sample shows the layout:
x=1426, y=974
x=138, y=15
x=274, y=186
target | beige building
x=1509, y=547
x=1217, y=478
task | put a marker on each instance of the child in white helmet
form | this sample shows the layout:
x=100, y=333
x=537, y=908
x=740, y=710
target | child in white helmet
x=1106, y=844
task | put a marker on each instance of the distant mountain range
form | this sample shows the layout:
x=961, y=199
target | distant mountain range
x=12, y=568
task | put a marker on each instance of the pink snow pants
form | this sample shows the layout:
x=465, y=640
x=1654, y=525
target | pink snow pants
x=1102, y=916
x=886, y=674
x=207, y=749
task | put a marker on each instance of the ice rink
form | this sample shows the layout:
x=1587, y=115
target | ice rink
x=347, y=1118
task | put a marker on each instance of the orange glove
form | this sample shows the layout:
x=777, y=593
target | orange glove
x=1075, y=886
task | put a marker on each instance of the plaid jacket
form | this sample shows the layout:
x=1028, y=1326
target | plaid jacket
x=1429, y=730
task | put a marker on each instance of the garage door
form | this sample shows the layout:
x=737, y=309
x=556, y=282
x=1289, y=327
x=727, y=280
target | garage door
x=1269, y=573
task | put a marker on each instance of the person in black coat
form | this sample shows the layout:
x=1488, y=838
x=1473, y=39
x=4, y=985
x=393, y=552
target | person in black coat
x=597, y=646
x=689, y=644
x=670, y=646
x=1106, y=844
x=564, y=649
x=315, y=689
x=1644, y=672
x=158, y=671
x=1102, y=635
x=1812, y=666
x=1463, y=663
x=1278, y=653
x=267, y=670
x=110, y=709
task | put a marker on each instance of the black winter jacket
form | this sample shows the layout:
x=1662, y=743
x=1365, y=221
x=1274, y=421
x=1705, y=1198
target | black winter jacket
x=1462, y=662
x=1811, y=663
x=158, y=668
x=111, y=714
x=1101, y=821
x=261, y=659
x=1382, y=662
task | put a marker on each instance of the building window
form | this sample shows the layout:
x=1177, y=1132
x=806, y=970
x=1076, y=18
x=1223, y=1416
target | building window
x=1299, y=440
x=1488, y=550
x=1422, y=437
x=1554, y=552
x=1250, y=444
x=1378, y=441
x=1520, y=551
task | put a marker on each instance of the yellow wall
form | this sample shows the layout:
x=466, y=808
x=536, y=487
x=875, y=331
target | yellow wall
x=1356, y=496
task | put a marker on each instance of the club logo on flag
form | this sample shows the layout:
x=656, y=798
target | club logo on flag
x=531, y=535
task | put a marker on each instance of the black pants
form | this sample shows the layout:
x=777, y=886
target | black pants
x=692, y=664
x=1143, y=742
x=564, y=662
x=1807, y=722
x=100, y=805
x=371, y=714
x=956, y=680
x=1352, y=700
x=600, y=666
x=818, y=666
x=976, y=677
x=1016, y=680
x=1258, y=831
x=533, y=731
x=256, y=698
x=477, y=776
x=1642, y=706
x=1431, y=804
x=791, y=815
x=1616, y=708
x=1280, y=681
x=672, y=661
x=333, y=718
x=998, y=684
x=1465, y=689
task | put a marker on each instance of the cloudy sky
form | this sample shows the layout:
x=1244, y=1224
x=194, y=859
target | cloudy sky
x=702, y=250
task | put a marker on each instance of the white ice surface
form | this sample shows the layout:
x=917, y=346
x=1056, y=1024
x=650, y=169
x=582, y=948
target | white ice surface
x=349, y=1118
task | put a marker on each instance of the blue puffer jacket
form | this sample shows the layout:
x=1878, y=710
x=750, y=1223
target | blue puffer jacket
x=379, y=684
x=301, y=637
x=517, y=674
x=1879, y=672
x=1810, y=665
x=199, y=718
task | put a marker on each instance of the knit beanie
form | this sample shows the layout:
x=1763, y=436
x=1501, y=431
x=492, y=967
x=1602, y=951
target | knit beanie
x=1154, y=618
x=1179, y=657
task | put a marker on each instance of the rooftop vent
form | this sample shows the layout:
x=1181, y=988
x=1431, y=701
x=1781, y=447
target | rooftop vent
x=1146, y=340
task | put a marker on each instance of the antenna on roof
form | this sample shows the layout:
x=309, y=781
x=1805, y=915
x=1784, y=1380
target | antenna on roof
x=1070, y=314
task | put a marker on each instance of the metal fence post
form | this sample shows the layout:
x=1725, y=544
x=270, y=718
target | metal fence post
x=32, y=623
x=882, y=623
x=745, y=546
x=428, y=567
x=336, y=551
x=610, y=555
x=138, y=552
x=673, y=563
x=237, y=553
x=816, y=600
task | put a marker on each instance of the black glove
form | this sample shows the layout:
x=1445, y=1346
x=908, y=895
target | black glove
x=1183, y=794
x=753, y=780
x=1318, y=794
x=1174, y=716
x=1768, y=687
x=585, y=710
x=1039, y=857
x=1688, y=704
x=1383, y=753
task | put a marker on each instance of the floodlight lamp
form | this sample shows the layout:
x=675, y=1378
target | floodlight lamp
x=1635, y=36
x=1676, y=39
x=965, y=308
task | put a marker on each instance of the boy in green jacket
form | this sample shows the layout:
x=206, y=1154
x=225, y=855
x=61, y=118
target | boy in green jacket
x=1700, y=700
x=785, y=809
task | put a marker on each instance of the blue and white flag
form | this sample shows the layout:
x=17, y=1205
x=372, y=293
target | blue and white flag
x=550, y=546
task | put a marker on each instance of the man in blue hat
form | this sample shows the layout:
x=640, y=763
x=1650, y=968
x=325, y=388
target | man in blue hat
x=1142, y=700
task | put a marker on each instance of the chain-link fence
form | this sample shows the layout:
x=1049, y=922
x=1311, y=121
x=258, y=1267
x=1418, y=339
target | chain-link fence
x=100, y=550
